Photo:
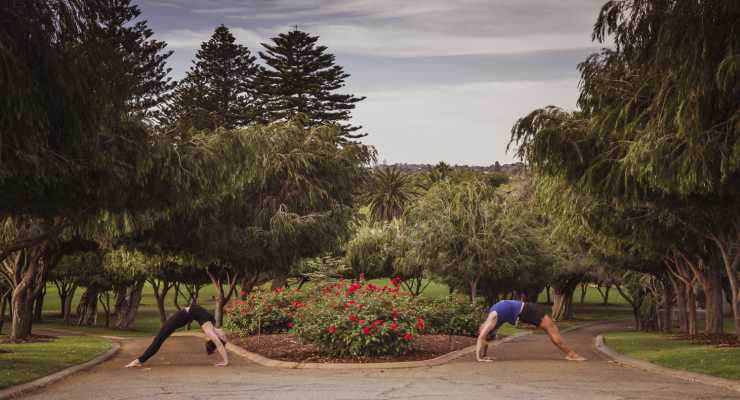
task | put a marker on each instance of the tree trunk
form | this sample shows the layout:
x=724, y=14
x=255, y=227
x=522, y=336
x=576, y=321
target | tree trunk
x=712, y=283
x=87, y=309
x=562, y=305
x=223, y=297
x=161, y=288
x=279, y=279
x=473, y=290
x=104, y=300
x=128, y=300
x=22, y=316
x=584, y=291
x=729, y=249
x=667, y=322
x=691, y=308
x=547, y=293
x=39, y=305
x=606, y=294
x=3, y=306
x=683, y=316
x=67, y=306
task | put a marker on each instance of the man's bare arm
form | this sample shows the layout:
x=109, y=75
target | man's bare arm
x=481, y=346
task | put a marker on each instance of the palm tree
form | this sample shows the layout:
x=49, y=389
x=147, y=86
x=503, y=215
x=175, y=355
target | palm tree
x=388, y=192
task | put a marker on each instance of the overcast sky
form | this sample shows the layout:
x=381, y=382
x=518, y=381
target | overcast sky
x=445, y=80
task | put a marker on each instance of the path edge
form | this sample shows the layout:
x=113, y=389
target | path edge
x=443, y=359
x=269, y=362
x=601, y=346
x=17, y=390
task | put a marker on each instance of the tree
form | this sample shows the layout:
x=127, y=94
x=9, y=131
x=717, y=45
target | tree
x=388, y=192
x=471, y=230
x=219, y=89
x=656, y=133
x=300, y=77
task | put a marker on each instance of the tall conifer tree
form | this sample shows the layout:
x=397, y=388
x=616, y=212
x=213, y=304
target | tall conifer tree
x=300, y=77
x=218, y=91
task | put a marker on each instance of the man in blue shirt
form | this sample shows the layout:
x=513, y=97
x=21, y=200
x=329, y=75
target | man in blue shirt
x=511, y=311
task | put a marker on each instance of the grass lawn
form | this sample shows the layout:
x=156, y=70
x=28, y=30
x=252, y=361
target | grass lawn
x=28, y=361
x=679, y=354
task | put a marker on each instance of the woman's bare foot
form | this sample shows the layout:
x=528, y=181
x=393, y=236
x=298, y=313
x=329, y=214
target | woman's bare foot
x=135, y=363
x=573, y=356
x=221, y=364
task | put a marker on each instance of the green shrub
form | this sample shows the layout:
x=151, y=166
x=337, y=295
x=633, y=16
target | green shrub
x=264, y=312
x=453, y=316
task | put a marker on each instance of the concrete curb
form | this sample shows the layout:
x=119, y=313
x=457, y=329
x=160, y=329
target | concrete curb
x=17, y=390
x=650, y=367
x=269, y=362
x=443, y=359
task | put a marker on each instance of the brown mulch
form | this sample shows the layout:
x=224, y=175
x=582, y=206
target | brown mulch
x=723, y=340
x=285, y=347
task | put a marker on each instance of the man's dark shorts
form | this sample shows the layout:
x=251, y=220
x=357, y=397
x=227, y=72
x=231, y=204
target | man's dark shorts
x=531, y=314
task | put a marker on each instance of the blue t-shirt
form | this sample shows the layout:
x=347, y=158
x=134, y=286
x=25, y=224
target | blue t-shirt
x=507, y=311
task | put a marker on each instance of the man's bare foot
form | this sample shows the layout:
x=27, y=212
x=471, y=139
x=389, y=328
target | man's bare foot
x=573, y=356
x=135, y=363
x=221, y=364
x=486, y=359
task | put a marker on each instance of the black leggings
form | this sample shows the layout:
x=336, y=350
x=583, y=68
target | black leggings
x=175, y=322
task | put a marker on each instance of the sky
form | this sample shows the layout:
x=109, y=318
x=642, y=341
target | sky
x=445, y=80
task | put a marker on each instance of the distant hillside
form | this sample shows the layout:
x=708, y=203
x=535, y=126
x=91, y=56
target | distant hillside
x=509, y=169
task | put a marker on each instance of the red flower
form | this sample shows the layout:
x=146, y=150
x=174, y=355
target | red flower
x=407, y=337
x=420, y=324
x=290, y=325
x=362, y=322
x=366, y=330
x=394, y=327
x=360, y=306
x=394, y=315
x=332, y=328
x=352, y=317
x=244, y=293
x=377, y=322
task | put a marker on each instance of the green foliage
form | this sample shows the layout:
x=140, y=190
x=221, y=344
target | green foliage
x=388, y=192
x=452, y=315
x=370, y=250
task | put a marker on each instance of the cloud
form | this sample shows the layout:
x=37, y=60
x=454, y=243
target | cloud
x=192, y=39
x=393, y=28
x=459, y=124
x=409, y=42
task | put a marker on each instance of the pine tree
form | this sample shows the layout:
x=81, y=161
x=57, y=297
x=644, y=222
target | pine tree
x=301, y=78
x=218, y=89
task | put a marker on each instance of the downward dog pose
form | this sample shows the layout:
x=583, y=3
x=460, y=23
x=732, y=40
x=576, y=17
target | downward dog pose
x=512, y=310
x=216, y=336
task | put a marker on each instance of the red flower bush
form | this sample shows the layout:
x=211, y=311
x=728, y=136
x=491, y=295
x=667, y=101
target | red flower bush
x=350, y=319
x=265, y=312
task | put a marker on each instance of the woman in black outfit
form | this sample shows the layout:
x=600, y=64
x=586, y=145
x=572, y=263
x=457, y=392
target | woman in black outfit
x=180, y=319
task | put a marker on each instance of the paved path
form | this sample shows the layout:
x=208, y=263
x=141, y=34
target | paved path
x=527, y=369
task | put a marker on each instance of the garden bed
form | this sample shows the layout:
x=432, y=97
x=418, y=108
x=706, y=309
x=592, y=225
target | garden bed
x=285, y=347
